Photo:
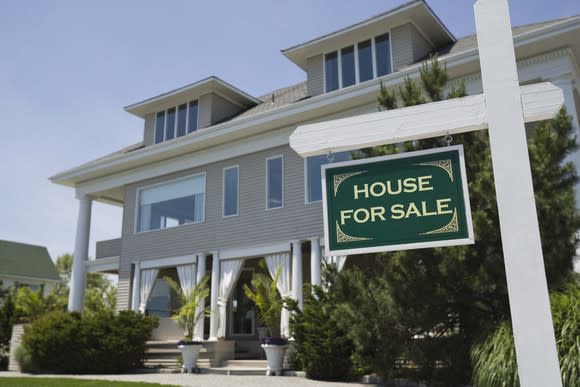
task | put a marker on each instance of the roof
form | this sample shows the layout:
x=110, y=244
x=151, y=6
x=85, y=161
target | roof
x=416, y=10
x=192, y=91
x=469, y=42
x=281, y=101
x=24, y=260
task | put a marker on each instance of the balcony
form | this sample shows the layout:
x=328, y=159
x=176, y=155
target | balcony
x=107, y=255
x=109, y=248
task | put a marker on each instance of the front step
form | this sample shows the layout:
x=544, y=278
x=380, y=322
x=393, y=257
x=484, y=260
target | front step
x=165, y=355
x=239, y=367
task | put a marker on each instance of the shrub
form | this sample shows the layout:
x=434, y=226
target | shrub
x=494, y=359
x=323, y=349
x=70, y=343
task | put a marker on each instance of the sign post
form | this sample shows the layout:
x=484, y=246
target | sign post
x=522, y=249
x=503, y=107
x=404, y=201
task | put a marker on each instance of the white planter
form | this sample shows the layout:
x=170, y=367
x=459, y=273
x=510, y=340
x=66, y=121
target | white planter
x=275, y=357
x=189, y=354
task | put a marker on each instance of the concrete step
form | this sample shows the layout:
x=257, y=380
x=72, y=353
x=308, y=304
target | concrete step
x=233, y=371
x=245, y=363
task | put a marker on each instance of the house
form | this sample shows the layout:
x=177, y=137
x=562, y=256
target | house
x=27, y=265
x=213, y=188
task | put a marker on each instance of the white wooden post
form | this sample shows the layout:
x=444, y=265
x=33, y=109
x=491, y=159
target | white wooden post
x=215, y=285
x=78, y=282
x=526, y=278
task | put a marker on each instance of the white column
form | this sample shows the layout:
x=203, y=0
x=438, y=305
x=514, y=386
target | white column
x=135, y=290
x=200, y=274
x=215, y=288
x=315, y=261
x=534, y=339
x=297, y=271
x=81, y=253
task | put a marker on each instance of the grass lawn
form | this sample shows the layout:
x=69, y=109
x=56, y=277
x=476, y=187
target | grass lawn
x=58, y=382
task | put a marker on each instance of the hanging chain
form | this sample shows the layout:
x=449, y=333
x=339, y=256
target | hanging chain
x=330, y=157
x=448, y=139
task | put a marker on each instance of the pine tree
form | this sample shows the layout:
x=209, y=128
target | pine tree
x=449, y=296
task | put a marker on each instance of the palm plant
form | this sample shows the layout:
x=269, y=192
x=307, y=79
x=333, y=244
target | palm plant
x=264, y=293
x=188, y=314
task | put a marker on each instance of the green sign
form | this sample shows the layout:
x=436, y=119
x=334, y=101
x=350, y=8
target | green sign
x=405, y=201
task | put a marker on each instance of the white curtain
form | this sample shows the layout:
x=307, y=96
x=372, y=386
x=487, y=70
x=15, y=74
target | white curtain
x=229, y=273
x=282, y=261
x=187, y=278
x=338, y=260
x=148, y=277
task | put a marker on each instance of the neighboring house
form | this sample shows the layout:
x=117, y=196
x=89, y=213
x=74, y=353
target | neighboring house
x=27, y=265
x=214, y=185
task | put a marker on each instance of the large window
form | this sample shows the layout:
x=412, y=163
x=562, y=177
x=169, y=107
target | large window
x=174, y=121
x=357, y=63
x=231, y=191
x=313, y=174
x=274, y=182
x=171, y=204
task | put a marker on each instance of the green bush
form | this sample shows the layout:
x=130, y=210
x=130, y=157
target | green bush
x=62, y=342
x=494, y=359
x=323, y=348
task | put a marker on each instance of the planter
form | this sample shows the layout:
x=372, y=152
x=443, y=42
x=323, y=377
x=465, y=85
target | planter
x=275, y=357
x=189, y=354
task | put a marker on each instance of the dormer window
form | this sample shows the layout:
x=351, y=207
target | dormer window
x=176, y=121
x=357, y=63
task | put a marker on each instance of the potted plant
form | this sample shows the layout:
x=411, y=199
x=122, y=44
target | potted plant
x=269, y=305
x=187, y=317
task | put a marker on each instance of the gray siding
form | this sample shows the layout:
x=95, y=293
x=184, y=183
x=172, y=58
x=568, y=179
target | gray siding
x=222, y=109
x=149, y=131
x=315, y=75
x=110, y=248
x=254, y=225
x=402, y=46
x=421, y=48
x=408, y=46
x=204, y=111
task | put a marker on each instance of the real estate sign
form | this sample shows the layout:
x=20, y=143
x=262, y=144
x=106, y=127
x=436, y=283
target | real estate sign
x=404, y=201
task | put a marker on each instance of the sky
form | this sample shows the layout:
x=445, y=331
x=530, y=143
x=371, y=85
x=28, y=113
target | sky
x=68, y=67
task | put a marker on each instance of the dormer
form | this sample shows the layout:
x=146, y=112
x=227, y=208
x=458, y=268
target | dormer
x=189, y=109
x=370, y=49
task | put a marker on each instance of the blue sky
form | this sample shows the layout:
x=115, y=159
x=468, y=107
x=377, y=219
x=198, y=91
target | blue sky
x=67, y=69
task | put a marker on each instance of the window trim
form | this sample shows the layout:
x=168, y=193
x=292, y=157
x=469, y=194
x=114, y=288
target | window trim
x=281, y=157
x=237, y=167
x=306, y=201
x=138, y=192
x=338, y=52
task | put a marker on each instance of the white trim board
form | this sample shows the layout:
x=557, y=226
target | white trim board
x=539, y=101
x=167, y=262
x=254, y=251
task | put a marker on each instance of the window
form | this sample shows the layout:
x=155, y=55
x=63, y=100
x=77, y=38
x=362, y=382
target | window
x=383, y=53
x=365, y=60
x=171, y=204
x=192, y=117
x=173, y=122
x=331, y=71
x=231, y=191
x=274, y=182
x=181, y=119
x=313, y=174
x=347, y=60
x=354, y=64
